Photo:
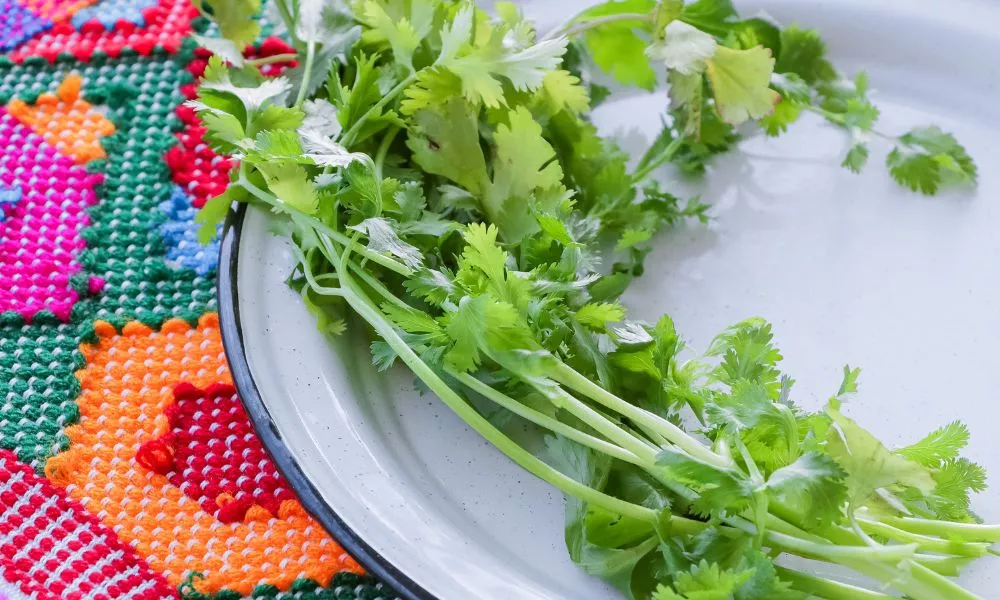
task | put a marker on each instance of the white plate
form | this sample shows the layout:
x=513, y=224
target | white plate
x=849, y=269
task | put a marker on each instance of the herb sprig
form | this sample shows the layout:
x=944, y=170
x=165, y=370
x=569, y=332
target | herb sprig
x=437, y=173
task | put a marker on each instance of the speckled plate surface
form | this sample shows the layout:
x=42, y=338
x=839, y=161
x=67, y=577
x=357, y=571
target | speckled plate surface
x=849, y=269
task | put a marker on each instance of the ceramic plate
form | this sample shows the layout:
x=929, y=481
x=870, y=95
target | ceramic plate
x=850, y=269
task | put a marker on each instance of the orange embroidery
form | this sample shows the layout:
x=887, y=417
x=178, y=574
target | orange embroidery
x=126, y=386
x=55, y=10
x=66, y=121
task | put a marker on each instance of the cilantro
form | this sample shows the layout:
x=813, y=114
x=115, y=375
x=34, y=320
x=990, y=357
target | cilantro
x=522, y=166
x=383, y=239
x=814, y=485
x=740, y=80
x=856, y=157
x=563, y=92
x=620, y=48
x=868, y=464
x=803, y=53
x=291, y=184
x=400, y=34
x=939, y=446
x=447, y=189
x=235, y=19
x=684, y=48
x=713, y=16
x=447, y=144
x=704, y=580
x=926, y=158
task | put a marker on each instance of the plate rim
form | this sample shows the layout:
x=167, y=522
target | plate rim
x=227, y=298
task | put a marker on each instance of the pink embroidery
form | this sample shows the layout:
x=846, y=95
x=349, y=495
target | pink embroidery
x=40, y=238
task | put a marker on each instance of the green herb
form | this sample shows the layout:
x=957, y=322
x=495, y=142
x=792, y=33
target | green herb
x=438, y=174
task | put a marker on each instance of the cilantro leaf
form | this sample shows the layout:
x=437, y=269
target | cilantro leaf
x=740, y=81
x=868, y=464
x=253, y=98
x=684, y=48
x=430, y=285
x=617, y=48
x=291, y=184
x=236, y=19
x=704, y=581
x=856, y=157
x=563, y=91
x=814, y=485
x=718, y=489
x=941, y=445
x=383, y=239
x=399, y=33
x=713, y=16
x=214, y=212
x=447, y=144
x=321, y=116
x=927, y=157
x=955, y=480
x=480, y=66
x=523, y=164
x=803, y=53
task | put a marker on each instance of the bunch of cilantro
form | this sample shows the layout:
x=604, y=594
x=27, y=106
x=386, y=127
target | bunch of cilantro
x=436, y=170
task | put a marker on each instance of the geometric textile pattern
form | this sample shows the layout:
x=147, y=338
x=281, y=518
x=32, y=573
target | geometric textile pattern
x=9, y=196
x=180, y=234
x=37, y=386
x=65, y=121
x=55, y=10
x=165, y=26
x=40, y=239
x=213, y=455
x=18, y=24
x=9, y=591
x=127, y=392
x=54, y=548
x=124, y=245
x=109, y=12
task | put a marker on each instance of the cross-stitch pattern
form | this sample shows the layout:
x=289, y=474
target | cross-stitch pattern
x=113, y=481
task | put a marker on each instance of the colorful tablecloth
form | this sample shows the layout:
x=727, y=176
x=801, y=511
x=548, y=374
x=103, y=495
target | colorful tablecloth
x=128, y=468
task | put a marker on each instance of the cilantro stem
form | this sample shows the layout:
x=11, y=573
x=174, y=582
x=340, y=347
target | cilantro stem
x=289, y=20
x=348, y=138
x=928, y=543
x=828, y=588
x=838, y=119
x=653, y=163
x=274, y=58
x=546, y=421
x=357, y=301
x=385, y=261
x=383, y=150
x=972, y=532
x=575, y=27
x=376, y=285
x=569, y=377
x=836, y=553
x=306, y=73
x=931, y=565
x=607, y=428
x=949, y=589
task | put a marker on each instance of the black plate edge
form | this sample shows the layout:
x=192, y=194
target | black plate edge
x=227, y=296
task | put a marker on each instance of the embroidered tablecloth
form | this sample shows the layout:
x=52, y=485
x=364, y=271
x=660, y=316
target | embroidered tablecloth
x=128, y=468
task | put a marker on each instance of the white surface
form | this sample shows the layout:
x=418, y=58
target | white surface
x=848, y=268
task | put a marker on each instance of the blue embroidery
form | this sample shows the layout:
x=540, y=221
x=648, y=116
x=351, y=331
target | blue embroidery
x=109, y=12
x=8, y=195
x=180, y=233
